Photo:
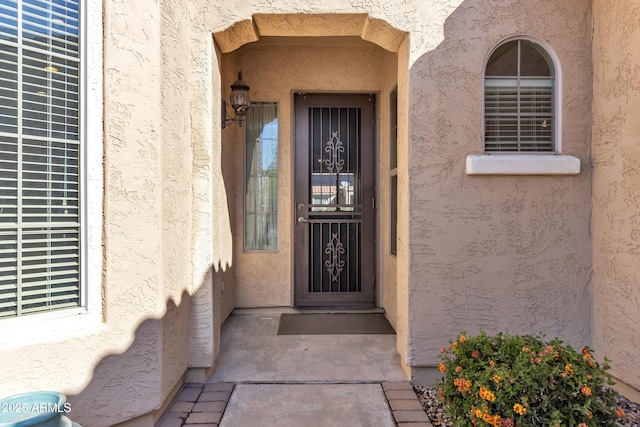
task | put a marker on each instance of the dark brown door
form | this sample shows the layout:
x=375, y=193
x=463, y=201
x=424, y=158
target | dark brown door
x=334, y=200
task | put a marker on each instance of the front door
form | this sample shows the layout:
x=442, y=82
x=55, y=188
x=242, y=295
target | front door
x=334, y=200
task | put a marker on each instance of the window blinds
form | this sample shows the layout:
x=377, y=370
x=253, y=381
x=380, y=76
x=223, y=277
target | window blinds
x=518, y=115
x=39, y=156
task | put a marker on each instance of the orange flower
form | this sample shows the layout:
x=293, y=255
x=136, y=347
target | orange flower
x=462, y=339
x=568, y=368
x=620, y=412
x=454, y=345
x=462, y=384
x=519, y=409
x=442, y=368
x=492, y=364
x=586, y=391
x=475, y=354
x=458, y=369
x=525, y=349
x=487, y=395
x=582, y=425
x=443, y=350
x=496, y=378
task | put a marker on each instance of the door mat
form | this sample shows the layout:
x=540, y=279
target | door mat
x=334, y=323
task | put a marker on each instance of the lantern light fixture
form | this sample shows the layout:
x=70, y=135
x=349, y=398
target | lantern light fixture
x=239, y=101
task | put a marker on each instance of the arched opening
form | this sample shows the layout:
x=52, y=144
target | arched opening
x=282, y=55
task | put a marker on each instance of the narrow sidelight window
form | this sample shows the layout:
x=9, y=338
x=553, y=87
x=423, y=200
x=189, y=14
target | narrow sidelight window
x=519, y=99
x=261, y=177
x=393, y=165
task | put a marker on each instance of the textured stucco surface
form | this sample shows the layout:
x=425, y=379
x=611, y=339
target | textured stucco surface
x=166, y=230
x=495, y=253
x=616, y=185
x=387, y=263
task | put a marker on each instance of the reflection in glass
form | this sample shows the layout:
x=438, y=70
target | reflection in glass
x=335, y=159
x=261, y=177
x=40, y=151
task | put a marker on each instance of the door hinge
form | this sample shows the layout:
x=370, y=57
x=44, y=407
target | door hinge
x=373, y=203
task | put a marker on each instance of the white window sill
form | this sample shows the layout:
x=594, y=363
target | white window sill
x=522, y=164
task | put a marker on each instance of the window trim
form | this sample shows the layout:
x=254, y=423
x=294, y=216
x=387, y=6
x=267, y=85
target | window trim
x=526, y=163
x=557, y=92
x=88, y=318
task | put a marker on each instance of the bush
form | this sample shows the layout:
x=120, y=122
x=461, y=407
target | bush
x=509, y=381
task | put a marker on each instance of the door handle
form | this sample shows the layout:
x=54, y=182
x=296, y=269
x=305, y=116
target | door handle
x=302, y=219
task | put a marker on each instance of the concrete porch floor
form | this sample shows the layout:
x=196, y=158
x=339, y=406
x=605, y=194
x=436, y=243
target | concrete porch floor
x=265, y=379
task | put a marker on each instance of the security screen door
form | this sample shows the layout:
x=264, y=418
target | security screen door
x=334, y=200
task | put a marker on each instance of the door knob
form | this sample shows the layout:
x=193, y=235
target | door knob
x=302, y=219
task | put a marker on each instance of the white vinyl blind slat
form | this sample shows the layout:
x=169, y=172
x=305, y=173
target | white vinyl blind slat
x=39, y=156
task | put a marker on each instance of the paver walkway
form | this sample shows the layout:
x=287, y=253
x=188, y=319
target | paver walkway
x=263, y=379
x=291, y=405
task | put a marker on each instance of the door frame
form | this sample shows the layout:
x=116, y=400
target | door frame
x=367, y=298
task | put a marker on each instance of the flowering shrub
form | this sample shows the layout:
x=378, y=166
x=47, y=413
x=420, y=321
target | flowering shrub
x=511, y=381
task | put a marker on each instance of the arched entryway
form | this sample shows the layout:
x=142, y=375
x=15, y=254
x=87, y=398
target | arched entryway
x=287, y=55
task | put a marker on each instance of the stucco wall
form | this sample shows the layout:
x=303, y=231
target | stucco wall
x=616, y=185
x=507, y=253
x=165, y=224
x=386, y=261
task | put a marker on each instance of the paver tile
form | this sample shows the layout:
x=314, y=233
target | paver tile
x=173, y=419
x=204, y=417
x=410, y=416
x=181, y=407
x=397, y=385
x=201, y=425
x=214, y=396
x=194, y=385
x=219, y=387
x=209, y=407
x=400, y=394
x=189, y=394
x=406, y=405
x=170, y=422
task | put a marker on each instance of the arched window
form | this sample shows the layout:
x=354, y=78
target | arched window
x=520, y=110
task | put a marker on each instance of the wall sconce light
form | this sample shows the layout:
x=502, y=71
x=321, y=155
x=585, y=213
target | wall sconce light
x=239, y=99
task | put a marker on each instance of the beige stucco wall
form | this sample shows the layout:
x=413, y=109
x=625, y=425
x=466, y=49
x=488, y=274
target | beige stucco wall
x=165, y=227
x=499, y=253
x=616, y=185
x=387, y=270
